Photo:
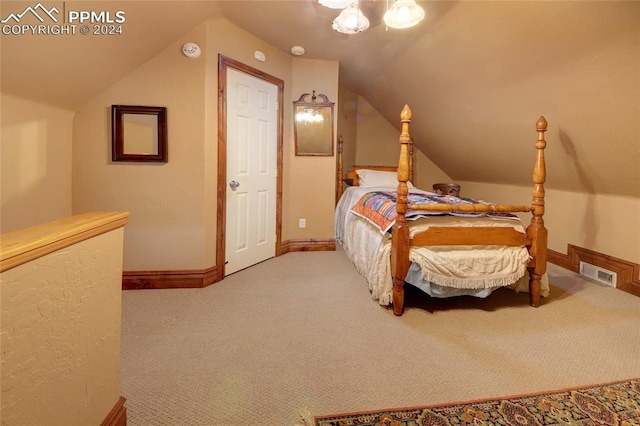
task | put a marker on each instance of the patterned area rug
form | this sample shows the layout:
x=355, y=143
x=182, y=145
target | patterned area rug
x=615, y=403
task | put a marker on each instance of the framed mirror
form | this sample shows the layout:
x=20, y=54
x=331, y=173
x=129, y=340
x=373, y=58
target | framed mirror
x=313, y=125
x=138, y=133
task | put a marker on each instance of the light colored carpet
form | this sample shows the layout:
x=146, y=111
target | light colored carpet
x=301, y=331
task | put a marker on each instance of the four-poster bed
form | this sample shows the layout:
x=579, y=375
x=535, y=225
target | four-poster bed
x=447, y=233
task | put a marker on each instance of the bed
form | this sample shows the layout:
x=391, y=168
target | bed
x=444, y=245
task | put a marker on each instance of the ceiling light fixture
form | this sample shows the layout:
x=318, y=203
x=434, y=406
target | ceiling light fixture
x=351, y=20
x=336, y=4
x=404, y=14
x=297, y=50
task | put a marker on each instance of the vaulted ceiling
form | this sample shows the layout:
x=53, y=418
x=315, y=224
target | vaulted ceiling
x=477, y=75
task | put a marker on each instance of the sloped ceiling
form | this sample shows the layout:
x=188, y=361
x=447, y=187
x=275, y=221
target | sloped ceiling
x=477, y=75
x=68, y=70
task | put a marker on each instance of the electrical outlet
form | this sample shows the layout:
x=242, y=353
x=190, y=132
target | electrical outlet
x=302, y=223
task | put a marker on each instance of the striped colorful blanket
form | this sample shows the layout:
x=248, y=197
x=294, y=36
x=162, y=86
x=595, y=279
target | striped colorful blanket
x=379, y=208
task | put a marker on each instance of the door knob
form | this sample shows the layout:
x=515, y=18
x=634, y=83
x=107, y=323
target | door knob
x=234, y=185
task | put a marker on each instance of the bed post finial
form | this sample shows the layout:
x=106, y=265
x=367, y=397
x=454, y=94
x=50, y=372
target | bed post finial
x=406, y=113
x=536, y=230
x=400, y=233
x=541, y=124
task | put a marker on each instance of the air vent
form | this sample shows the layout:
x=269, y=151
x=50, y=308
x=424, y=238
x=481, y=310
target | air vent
x=598, y=274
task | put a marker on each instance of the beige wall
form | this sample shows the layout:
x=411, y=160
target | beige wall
x=347, y=125
x=310, y=181
x=173, y=205
x=376, y=139
x=608, y=224
x=35, y=163
x=377, y=144
x=61, y=335
x=427, y=172
x=165, y=230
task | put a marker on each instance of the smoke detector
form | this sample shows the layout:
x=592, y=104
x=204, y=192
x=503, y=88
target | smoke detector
x=191, y=50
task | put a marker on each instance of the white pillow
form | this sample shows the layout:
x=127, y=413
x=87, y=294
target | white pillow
x=368, y=178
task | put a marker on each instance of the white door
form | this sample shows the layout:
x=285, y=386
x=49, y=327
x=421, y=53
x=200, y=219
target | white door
x=252, y=131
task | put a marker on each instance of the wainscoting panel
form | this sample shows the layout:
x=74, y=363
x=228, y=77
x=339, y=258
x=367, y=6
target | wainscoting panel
x=561, y=260
x=628, y=272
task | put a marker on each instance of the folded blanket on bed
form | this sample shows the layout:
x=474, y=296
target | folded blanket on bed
x=471, y=267
x=379, y=208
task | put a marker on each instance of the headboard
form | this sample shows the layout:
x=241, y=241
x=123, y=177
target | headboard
x=351, y=177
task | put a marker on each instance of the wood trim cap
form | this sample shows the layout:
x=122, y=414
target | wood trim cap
x=27, y=244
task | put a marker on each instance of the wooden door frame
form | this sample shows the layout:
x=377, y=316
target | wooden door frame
x=224, y=63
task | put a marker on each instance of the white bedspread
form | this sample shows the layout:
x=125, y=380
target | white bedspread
x=441, y=271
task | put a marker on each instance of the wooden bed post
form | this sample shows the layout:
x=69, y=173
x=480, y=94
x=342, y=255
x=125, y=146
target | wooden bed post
x=400, y=233
x=339, y=186
x=536, y=230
